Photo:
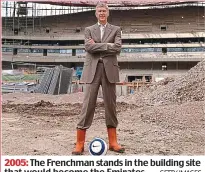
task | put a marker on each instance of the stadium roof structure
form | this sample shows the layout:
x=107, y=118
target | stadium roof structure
x=119, y=2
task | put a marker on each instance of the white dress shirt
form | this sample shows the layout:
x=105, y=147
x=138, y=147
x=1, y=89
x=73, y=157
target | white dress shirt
x=102, y=29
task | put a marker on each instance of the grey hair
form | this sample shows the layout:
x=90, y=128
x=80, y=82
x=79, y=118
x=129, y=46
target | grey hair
x=102, y=4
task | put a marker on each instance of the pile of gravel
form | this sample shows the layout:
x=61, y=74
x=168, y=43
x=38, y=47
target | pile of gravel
x=186, y=88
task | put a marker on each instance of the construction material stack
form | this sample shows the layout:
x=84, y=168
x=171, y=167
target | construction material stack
x=55, y=81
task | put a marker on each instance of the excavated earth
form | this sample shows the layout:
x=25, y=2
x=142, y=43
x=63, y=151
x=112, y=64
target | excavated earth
x=168, y=118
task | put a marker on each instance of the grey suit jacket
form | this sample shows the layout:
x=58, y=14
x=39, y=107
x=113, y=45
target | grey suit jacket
x=102, y=50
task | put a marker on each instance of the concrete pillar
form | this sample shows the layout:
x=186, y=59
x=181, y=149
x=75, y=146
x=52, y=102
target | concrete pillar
x=73, y=52
x=118, y=90
x=124, y=90
x=15, y=51
x=44, y=52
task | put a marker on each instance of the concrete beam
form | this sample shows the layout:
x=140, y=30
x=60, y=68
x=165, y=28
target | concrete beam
x=138, y=57
x=124, y=36
x=186, y=45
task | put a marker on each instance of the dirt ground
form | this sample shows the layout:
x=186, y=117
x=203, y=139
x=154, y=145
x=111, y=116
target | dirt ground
x=167, y=118
x=37, y=124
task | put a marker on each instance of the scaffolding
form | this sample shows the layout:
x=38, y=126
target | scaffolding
x=18, y=20
x=21, y=18
x=29, y=18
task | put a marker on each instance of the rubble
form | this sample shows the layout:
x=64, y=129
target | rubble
x=186, y=88
x=167, y=118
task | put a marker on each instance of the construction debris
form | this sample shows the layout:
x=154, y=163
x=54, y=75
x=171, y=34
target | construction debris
x=55, y=81
x=167, y=118
x=17, y=87
x=186, y=88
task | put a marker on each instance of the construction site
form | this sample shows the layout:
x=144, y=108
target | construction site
x=160, y=96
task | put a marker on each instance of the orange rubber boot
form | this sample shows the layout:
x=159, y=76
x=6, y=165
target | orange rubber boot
x=79, y=147
x=113, y=145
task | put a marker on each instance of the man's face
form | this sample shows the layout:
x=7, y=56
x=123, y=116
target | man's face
x=102, y=14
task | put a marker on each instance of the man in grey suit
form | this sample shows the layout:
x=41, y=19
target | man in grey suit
x=102, y=43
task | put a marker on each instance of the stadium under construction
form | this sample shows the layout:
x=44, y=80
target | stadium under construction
x=160, y=38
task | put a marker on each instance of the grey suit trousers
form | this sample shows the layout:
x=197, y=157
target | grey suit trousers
x=90, y=98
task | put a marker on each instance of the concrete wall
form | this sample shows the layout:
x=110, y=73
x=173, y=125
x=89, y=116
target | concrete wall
x=153, y=69
x=156, y=65
x=121, y=90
